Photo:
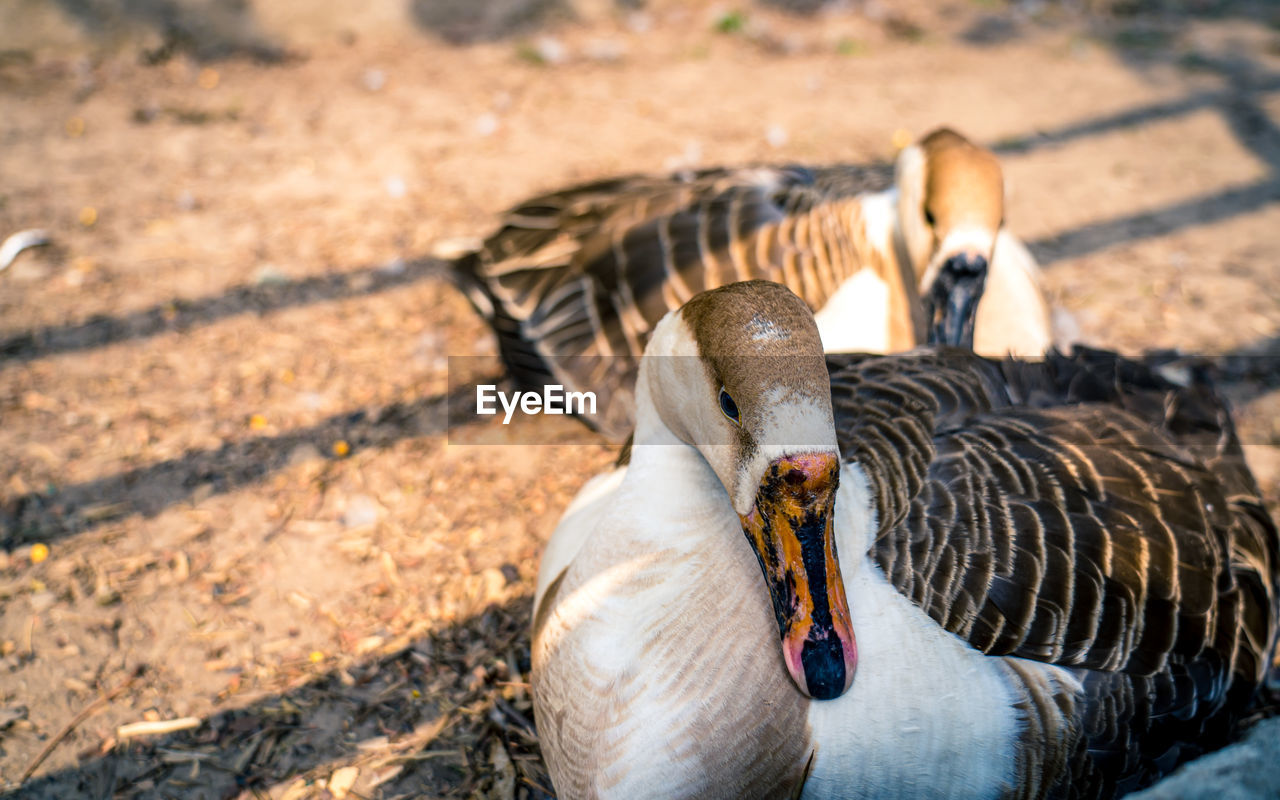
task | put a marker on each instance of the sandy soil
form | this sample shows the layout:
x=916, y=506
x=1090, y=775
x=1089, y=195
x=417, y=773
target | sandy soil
x=224, y=386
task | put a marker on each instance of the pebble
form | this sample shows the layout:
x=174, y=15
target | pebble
x=550, y=50
x=486, y=124
x=374, y=79
x=689, y=158
x=607, y=50
x=269, y=275
x=303, y=453
x=1243, y=771
x=361, y=510
x=428, y=351
x=312, y=401
x=493, y=586
x=395, y=186
x=639, y=22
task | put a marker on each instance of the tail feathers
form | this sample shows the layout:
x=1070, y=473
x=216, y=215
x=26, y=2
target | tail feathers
x=522, y=360
x=464, y=274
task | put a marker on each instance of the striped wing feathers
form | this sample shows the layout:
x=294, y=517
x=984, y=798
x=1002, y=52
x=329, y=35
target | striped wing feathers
x=578, y=278
x=1078, y=559
x=1080, y=534
x=1082, y=512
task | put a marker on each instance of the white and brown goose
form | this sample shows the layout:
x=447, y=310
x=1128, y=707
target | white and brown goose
x=980, y=579
x=574, y=281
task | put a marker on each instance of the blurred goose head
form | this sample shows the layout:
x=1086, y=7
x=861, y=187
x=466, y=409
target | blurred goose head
x=951, y=209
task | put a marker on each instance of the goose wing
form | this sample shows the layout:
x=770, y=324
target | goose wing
x=574, y=281
x=1083, y=512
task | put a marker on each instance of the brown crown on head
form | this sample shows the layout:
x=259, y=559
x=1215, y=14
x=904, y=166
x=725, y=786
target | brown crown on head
x=757, y=334
x=963, y=183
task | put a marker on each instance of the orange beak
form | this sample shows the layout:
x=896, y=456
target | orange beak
x=790, y=528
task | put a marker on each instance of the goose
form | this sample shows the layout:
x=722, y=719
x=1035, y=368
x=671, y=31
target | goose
x=574, y=281
x=980, y=578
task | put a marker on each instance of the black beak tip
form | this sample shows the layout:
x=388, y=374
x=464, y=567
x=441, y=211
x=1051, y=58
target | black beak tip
x=824, y=673
x=952, y=303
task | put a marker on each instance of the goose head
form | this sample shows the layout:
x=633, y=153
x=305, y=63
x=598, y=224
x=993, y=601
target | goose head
x=950, y=208
x=738, y=373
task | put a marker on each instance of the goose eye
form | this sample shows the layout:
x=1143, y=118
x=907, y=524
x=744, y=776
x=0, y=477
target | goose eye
x=728, y=407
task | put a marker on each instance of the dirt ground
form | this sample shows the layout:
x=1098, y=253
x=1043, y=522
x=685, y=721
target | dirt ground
x=228, y=487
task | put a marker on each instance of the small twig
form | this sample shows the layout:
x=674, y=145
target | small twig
x=31, y=635
x=157, y=727
x=428, y=754
x=515, y=716
x=81, y=717
x=168, y=755
x=20, y=241
x=279, y=526
x=531, y=782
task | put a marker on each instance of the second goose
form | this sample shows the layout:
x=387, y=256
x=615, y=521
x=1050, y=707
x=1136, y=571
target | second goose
x=889, y=256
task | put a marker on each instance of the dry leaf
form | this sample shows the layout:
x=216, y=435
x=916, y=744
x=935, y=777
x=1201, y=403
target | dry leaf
x=342, y=780
x=504, y=782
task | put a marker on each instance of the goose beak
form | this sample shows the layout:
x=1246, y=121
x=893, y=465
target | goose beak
x=790, y=527
x=952, y=302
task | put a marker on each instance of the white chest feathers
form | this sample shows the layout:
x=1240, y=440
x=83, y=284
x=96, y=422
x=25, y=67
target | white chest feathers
x=658, y=671
x=927, y=716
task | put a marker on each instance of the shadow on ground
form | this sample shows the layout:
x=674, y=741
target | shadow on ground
x=148, y=490
x=463, y=22
x=209, y=30
x=1243, y=374
x=446, y=715
x=182, y=315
